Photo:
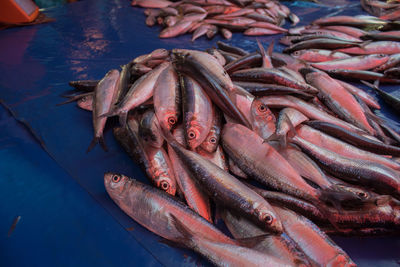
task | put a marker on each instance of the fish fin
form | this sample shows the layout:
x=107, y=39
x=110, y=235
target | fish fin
x=271, y=48
x=103, y=143
x=92, y=144
x=266, y=60
x=187, y=234
x=305, y=71
x=362, y=45
x=123, y=117
x=275, y=137
x=73, y=98
x=111, y=113
x=251, y=242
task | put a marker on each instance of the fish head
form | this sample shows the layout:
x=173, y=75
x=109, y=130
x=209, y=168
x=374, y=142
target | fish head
x=211, y=142
x=194, y=135
x=116, y=184
x=166, y=184
x=262, y=119
x=86, y=103
x=341, y=260
x=270, y=220
x=169, y=119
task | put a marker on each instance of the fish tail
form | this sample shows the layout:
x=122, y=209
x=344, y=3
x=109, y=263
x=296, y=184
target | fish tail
x=275, y=137
x=72, y=99
x=92, y=144
x=103, y=143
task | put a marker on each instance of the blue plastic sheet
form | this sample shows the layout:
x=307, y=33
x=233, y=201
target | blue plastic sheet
x=61, y=193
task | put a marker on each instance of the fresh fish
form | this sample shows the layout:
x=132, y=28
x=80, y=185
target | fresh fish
x=160, y=169
x=231, y=49
x=167, y=98
x=194, y=195
x=318, y=247
x=211, y=142
x=226, y=189
x=320, y=139
x=262, y=119
x=151, y=3
x=149, y=130
x=354, y=63
x=264, y=89
x=360, y=141
x=197, y=112
x=180, y=27
x=105, y=95
x=140, y=91
x=380, y=47
x=318, y=55
x=339, y=100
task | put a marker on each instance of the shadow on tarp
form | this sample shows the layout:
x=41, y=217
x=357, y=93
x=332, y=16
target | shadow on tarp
x=87, y=39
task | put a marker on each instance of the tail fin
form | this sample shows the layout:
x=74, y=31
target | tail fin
x=187, y=235
x=265, y=58
x=73, y=98
x=95, y=140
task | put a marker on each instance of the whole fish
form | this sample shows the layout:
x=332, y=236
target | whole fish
x=167, y=98
x=264, y=89
x=360, y=141
x=320, y=139
x=180, y=27
x=318, y=247
x=318, y=55
x=354, y=63
x=339, y=100
x=153, y=209
x=322, y=43
x=105, y=95
x=151, y=4
x=380, y=47
x=194, y=195
x=226, y=189
x=376, y=176
x=140, y=91
x=197, y=112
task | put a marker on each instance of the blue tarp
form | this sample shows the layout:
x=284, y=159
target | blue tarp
x=46, y=176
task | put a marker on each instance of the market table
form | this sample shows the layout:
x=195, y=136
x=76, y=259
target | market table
x=66, y=217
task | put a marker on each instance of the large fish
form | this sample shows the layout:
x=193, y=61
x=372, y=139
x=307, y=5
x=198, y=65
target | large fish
x=226, y=189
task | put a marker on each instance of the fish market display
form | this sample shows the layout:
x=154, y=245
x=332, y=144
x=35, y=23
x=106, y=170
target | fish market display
x=271, y=143
x=207, y=18
x=388, y=9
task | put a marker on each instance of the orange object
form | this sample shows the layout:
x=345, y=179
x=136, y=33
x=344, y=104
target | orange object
x=18, y=11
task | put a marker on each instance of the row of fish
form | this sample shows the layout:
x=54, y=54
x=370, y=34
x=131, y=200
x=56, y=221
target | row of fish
x=208, y=17
x=389, y=9
x=278, y=146
x=360, y=47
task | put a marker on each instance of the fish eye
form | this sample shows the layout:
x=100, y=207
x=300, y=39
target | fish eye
x=116, y=178
x=164, y=185
x=362, y=194
x=213, y=140
x=191, y=135
x=268, y=218
x=171, y=120
x=262, y=108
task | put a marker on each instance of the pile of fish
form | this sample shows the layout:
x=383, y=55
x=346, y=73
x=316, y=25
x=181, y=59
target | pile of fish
x=389, y=9
x=261, y=140
x=360, y=47
x=208, y=17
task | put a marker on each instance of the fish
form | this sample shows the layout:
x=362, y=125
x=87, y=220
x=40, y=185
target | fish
x=197, y=112
x=144, y=203
x=288, y=117
x=211, y=142
x=280, y=246
x=105, y=95
x=323, y=43
x=339, y=100
x=360, y=141
x=367, y=98
x=166, y=98
x=380, y=47
x=262, y=119
x=149, y=130
x=193, y=194
x=391, y=100
x=312, y=240
x=84, y=85
x=216, y=181
x=354, y=63
x=141, y=91
x=318, y=55
x=321, y=139
x=151, y=4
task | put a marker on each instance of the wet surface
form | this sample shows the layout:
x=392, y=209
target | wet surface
x=87, y=39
